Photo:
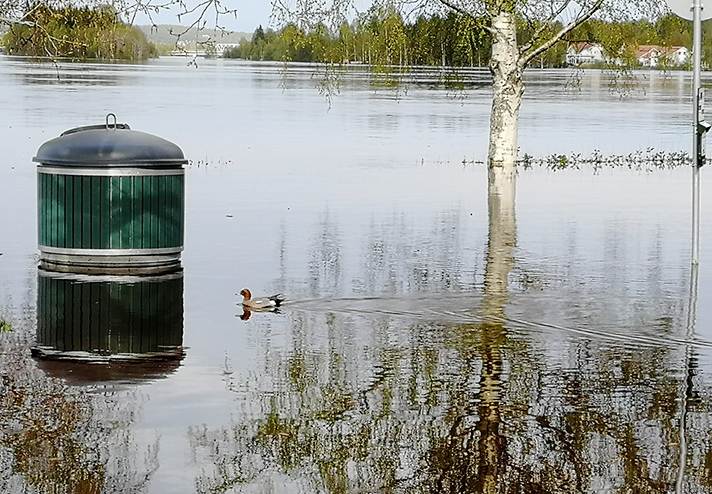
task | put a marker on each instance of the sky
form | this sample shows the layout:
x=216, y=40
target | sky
x=251, y=13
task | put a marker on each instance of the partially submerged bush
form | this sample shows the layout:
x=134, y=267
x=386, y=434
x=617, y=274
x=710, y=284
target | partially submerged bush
x=80, y=33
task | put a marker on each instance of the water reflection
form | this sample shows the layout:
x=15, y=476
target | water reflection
x=94, y=328
x=377, y=400
x=72, y=74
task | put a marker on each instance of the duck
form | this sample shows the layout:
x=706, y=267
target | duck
x=261, y=303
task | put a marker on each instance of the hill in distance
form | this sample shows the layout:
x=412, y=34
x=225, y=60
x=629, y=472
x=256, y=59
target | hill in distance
x=161, y=34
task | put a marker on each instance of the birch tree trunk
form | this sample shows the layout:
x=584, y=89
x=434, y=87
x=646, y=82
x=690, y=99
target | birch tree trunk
x=507, y=97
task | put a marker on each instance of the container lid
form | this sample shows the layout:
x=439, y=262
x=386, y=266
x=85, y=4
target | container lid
x=110, y=145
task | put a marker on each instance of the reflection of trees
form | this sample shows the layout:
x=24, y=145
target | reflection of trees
x=398, y=258
x=55, y=438
x=325, y=271
x=378, y=403
x=46, y=451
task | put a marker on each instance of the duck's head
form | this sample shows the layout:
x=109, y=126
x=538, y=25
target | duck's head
x=246, y=293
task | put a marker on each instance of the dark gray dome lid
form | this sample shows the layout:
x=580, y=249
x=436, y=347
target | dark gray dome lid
x=107, y=145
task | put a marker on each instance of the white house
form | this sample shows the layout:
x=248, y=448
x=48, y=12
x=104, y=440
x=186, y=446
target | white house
x=652, y=55
x=584, y=53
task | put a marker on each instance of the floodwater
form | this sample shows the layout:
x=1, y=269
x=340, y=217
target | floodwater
x=425, y=347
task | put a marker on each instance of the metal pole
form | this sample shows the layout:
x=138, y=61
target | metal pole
x=698, y=161
x=697, y=140
x=682, y=429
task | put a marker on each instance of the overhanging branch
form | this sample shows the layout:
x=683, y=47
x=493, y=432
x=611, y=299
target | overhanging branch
x=460, y=10
x=525, y=59
x=554, y=15
x=15, y=22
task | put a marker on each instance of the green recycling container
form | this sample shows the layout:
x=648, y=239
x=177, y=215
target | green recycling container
x=110, y=201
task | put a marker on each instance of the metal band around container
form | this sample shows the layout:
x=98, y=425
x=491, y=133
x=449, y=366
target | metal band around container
x=110, y=252
x=114, y=171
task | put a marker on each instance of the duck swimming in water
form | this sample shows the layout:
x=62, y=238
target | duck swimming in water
x=261, y=303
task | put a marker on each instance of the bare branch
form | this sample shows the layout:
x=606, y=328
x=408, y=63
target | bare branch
x=15, y=22
x=552, y=17
x=580, y=19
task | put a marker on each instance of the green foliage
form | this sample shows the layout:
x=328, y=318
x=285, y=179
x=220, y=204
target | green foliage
x=5, y=327
x=79, y=33
x=380, y=38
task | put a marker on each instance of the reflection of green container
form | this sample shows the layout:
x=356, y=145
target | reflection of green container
x=109, y=320
x=110, y=200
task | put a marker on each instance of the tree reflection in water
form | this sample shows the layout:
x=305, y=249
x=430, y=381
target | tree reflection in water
x=55, y=437
x=377, y=402
x=360, y=402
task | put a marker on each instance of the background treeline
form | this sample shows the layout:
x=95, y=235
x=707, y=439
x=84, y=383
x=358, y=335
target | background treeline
x=381, y=38
x=385, y=38
x=81, y=33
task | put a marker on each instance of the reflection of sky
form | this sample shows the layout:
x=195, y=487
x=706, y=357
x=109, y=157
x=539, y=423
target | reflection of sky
x=323, y=202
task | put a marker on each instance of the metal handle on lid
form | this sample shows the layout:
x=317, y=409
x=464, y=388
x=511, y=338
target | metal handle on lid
x=108, y=125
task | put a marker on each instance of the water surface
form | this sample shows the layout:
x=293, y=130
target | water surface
x=398, y=364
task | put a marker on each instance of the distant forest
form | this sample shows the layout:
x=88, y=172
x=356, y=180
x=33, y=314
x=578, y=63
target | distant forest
x=383, y=37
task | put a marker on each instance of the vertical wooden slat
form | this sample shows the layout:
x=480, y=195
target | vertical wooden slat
x=162, y=212
x=125, y=219
x=60, y=214
x=136, y=212
x=153, y=213
x=178, y=213
x=77, y=212
x=105, y=212
x=52, y=211
x=86, y=213
x=47, y=210
x=95, y=211
x=49, y=239
x=40, y=210
x=181, y=216
x=115, y=206
x=143, y=216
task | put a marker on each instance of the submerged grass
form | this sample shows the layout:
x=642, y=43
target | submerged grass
x=647, y=160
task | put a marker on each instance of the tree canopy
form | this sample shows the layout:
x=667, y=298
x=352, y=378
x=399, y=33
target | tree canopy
x=83, y=33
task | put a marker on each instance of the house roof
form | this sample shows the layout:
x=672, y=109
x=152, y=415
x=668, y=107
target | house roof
x=646, y=51
x=582, y=45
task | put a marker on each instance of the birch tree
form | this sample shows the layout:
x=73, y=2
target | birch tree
x=549, y=20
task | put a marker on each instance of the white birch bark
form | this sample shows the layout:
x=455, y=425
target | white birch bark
x=506, y=99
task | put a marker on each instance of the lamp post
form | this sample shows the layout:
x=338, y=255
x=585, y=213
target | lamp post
x=693, y=10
